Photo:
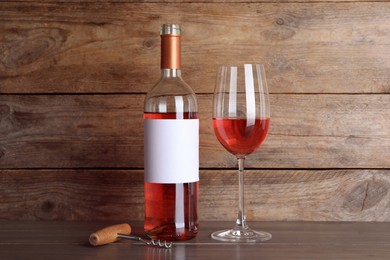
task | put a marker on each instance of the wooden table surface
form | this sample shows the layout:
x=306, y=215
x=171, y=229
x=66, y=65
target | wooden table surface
x=291, y=240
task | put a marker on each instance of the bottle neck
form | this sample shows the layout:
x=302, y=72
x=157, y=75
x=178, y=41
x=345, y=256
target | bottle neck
x=170, y=52
x=170, y=73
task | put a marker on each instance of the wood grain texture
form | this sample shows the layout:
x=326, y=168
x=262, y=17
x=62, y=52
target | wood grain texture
x=97, y=47
x=283, y=195
x=106, y=131
x=71, y=131
x=71, y=195
x=313, y=233
x=271, y=195
x=72, y=82
x=291, y=240
x=196, y=1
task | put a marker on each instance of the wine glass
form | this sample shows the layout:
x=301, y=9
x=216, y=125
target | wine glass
x=241, y=117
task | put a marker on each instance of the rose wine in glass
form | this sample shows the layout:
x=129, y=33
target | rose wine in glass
x=241, y=118
x=238, y=137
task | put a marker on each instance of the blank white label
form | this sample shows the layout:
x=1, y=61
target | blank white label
x=171, y=150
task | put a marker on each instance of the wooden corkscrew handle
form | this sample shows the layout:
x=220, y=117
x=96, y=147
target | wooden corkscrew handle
x=109, y=234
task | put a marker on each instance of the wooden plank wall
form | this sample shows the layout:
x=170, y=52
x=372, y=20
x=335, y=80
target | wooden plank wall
x=73, y=76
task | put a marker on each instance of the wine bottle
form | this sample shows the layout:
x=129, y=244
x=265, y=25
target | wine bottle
x=171, y=148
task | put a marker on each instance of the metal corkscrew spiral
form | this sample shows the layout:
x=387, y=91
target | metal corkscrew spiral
x=151, y=242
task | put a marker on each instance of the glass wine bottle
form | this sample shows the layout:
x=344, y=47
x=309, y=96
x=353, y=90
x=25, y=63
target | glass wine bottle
x=171, y=148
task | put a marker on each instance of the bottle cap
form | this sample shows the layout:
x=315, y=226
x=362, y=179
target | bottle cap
x=169, y=28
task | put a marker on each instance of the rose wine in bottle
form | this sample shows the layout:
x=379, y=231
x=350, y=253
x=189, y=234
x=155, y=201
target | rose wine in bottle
x=171, y=148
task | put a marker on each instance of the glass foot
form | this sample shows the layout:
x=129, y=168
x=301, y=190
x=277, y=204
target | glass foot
x=237, y=235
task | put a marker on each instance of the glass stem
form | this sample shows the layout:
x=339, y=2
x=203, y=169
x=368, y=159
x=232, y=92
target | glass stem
x=241, y=221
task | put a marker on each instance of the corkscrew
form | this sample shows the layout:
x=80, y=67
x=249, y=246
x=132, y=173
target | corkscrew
x=149, y=242
x=114, y=233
